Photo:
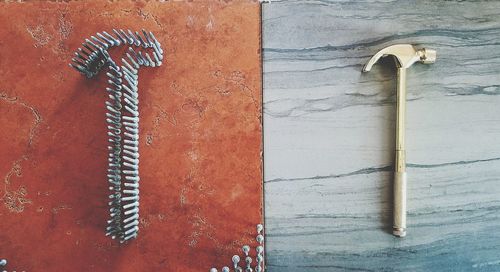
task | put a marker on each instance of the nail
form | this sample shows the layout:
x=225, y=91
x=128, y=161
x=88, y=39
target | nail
x=136, y=40
x=116, y=41
x=260, y=228
x=129, y=39
x=131, y=92
x=131, y=104
x=246, y=249
x=130, y=172
x=119, y=35
x=259, y=258
x=130, y=67
x=137, y=58
x=236, y=260
x=131, y=224
x=84, y=52
x=136, y=65
x=128, y=219
x=131, y=142
x=130, y=118
x=158, y=61
x=145, y=61
x=134, y=229
x=141, y=40
x=131, y=147
x=248, y=261
x=132, y=236
x=130, y=73
x=151, y=62
x=132, y=83
x=131, y=185
x=133, y=112
x=132, y=166
x=130, y=160
x=260, y=249
x=101, y=43
x=133, y=154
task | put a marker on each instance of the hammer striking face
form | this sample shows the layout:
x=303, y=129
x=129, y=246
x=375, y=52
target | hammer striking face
x=405, y=56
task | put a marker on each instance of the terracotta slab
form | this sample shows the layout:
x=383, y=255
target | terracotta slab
x=201, y=174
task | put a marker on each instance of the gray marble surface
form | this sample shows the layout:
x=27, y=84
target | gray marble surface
x=329, y=136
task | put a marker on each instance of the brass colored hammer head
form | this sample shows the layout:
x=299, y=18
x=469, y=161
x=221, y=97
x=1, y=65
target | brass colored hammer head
x=405, y=55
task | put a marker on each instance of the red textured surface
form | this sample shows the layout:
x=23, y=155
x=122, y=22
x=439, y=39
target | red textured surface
x=200, y=145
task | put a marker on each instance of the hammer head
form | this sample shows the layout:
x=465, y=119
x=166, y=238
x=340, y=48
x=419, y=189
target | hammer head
x=405, y=55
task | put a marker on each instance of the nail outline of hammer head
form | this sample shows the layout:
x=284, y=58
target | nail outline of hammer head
x=404, y=54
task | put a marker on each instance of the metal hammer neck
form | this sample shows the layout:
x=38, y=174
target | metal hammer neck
x=400, y=120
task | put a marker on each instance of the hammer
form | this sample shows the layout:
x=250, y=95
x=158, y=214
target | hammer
x=404, y=55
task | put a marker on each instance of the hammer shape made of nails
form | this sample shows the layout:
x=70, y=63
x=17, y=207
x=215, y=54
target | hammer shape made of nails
x=122, y=117
x=92, y=56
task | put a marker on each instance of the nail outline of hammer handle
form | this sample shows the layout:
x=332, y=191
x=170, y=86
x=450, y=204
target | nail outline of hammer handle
x=405, y=55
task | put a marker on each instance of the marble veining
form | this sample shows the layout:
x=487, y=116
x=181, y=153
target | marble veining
x=329, y=136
